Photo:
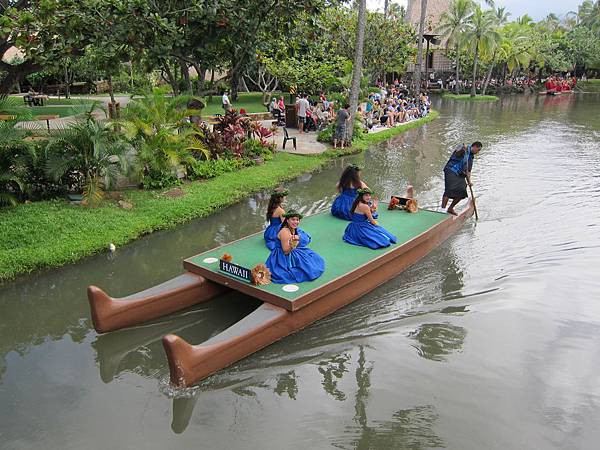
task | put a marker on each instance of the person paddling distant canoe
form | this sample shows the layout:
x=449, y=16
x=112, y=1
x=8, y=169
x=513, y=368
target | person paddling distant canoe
x=457, y=174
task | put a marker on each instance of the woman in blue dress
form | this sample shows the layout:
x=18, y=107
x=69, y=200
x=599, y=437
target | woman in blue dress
x=291, y=261
x=349, y=182
x=274, y=214
x=363, y=229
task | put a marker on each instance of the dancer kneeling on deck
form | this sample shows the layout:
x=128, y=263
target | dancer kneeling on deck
x=457, y=174
x=291, y=261
x=275, y=213
x=363, y=229
x=349, y=182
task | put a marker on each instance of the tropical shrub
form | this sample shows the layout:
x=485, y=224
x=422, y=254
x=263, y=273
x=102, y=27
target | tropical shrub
x=214, y=167
x=326, y=134
x=165, y=139
x=11, y=137
x=88, y=157
x=254, y=149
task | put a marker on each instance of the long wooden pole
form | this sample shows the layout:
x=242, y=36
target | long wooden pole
x=473, y=200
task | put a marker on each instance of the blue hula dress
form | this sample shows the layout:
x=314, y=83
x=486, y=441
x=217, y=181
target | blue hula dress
x=362, y=232
x=343, y=203
x=270, y=234
x=301, y=264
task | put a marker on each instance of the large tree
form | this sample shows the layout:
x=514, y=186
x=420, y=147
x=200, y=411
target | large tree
x=417, y=72
x=357, y=65
x=452, y=25
x=482, y=35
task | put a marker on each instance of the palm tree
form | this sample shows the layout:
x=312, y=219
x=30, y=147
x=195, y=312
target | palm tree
x=589, y=14
x=358, y=61
x=481, y=35
x=417, y=73
x=452, y=25
x=501, y=18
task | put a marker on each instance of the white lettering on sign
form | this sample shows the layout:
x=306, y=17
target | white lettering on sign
x=236, y=270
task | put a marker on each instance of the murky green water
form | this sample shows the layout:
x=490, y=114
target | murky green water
x=492, y=341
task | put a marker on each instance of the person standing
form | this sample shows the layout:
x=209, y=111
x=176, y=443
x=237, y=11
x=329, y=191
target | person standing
x=225, y=102
x=341, y=126
x=457, y=174
x=303, y=106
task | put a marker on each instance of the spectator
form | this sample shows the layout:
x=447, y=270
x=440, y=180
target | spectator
x=225, y=101
x=303, y=106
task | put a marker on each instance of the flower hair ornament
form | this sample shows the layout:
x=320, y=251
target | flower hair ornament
x=363, y=191
x=293, y=213
x=354, y=166
x=280, y=193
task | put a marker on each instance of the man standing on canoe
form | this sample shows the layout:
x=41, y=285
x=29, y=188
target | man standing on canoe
x=457, y=174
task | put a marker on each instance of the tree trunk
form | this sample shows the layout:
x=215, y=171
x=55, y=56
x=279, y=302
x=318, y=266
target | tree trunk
x=171, y=78
x=201, y=78
x=67, y=84
x=386, y=5
x=489, y=75
x=110, y=90
x=235, y=83
x=473, y=87
x=417, y=73
x=456, y=86
x=15, y=74
x=185, y=73
x=212, y=85
x=358, y=61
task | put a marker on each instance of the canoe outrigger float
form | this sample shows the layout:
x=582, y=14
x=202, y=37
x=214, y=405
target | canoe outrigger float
x=350, y=273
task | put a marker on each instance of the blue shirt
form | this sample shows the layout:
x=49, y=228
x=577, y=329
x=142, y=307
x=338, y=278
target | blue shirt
x=461, y=161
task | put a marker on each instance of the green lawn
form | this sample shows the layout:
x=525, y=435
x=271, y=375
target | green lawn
x=54, y=233
x=251, y=102
x=61, y=110
x=467, y=97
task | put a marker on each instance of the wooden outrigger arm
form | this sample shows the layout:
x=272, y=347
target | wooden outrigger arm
x=187, y=289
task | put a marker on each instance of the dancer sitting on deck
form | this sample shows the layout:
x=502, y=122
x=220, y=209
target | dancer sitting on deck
x=274, y=214
x=363, y=229
x=291, y=261
x=349, y=182
x=457, y=174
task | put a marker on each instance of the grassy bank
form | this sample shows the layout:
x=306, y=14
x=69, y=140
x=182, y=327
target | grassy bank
x=54, y=233
x=467, y=97
x=588, y=85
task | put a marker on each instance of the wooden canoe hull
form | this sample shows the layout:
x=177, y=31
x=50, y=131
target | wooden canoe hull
x=189, y=364
x=187, y=289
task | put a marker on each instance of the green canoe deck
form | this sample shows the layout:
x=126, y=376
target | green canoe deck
x=326, y=231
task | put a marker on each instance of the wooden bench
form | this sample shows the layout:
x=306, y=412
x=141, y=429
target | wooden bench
x=6, y=117
x=47, y=118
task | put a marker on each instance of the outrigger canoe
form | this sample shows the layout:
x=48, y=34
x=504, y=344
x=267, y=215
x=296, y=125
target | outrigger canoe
x=351, y=272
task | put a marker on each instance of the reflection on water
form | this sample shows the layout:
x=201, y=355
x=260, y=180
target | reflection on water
x=521, y=283
x=406, y=429
x=437, y=340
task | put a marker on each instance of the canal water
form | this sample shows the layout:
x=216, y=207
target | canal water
x=491, y=341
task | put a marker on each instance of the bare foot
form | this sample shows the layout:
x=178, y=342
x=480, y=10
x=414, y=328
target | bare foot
x=451, y=211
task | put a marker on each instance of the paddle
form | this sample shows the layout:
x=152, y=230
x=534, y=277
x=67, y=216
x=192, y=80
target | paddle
x=473, y=200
